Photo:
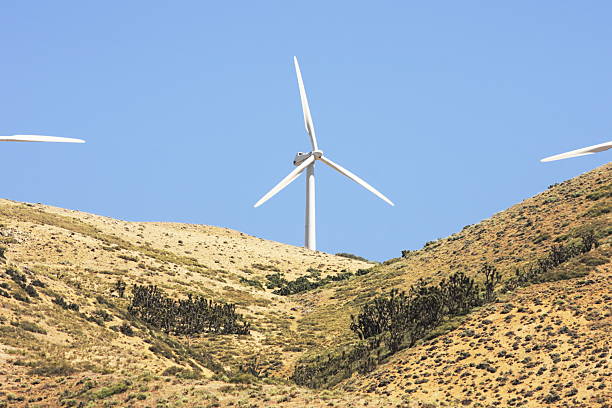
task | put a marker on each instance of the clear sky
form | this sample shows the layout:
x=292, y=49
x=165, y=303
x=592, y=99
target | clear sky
x=191, y=110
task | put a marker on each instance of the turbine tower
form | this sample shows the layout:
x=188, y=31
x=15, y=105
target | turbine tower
x=39, y=138
x=580, y=152
x=306, y=161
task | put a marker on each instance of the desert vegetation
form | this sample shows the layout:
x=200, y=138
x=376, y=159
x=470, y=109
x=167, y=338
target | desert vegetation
x=397, y=320
x=305, y=283
x=512, y=311
x=189, y=316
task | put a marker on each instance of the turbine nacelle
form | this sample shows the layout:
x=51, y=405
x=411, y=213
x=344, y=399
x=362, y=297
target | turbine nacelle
x=300, y=157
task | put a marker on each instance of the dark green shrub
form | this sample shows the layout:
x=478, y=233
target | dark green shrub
x=541, y=270
x=275, y=280
x=38, y=283
x=491, y=279
x=103, y=315
x=29, y=326
x=251, y=282
x=306, y=283
x=120, y=287
x=51, y=368
x=181, y=372
x=361, y=272
x=111, y=390
x=126, y=329
x=352, y=256
x=59, y=300
x=189, y=316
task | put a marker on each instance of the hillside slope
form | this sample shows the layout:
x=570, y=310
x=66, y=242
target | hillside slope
x=67, y=336
x=547, y=344
x=508, y=240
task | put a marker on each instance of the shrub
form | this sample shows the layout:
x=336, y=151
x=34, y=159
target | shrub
x=128, y=258
x=103, y=315
x=251, y=282
x=51, y=368
x=186, y=316
x=492, y=278
x=181, y=372
x=304, y=283
x=541, y=269
x=120, y=287
x=275, y=280
x=352, y=256
x=126, y=329
x=29, y=326
x=59, y=300
x=262, y=267
x=38, y=283
x=406, y=253
x=111, y=390
x=393, y=321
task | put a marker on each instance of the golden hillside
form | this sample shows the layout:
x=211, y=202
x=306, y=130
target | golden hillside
x=546, y=345
x=68, y=339
x=509, y=239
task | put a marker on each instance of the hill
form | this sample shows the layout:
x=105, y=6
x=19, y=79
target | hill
x=72, y=333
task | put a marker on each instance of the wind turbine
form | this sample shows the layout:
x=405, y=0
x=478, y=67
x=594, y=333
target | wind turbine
x=580, y=152
x=39, y=138
x=306, y=161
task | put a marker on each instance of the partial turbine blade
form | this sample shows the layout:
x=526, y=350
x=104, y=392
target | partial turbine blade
x=580, y=152
x=305, y=108
x=286, y=181
x=356, y=179
x=39, y=138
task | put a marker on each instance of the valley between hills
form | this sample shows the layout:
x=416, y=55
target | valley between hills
x=73, y=334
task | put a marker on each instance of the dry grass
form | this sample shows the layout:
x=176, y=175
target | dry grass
x=50, y=354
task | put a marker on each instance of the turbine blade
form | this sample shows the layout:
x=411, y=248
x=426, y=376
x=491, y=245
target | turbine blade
x=286, y=181
x=356, y=179
x=580, y=152
x=39, y=138
x=307, y=117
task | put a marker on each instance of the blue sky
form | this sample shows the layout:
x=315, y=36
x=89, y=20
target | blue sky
x=191, y=110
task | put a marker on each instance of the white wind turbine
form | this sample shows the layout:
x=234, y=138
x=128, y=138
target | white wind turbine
x=580, y=152
x=306, y=161
x=39, y=138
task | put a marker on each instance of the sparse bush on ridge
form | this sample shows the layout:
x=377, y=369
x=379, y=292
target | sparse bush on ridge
x=539, y=271
x=352, y=256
